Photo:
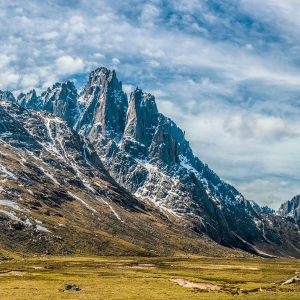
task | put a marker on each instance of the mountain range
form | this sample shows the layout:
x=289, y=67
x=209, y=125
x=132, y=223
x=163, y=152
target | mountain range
x=102, y=173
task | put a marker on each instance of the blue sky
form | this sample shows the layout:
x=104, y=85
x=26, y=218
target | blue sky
x=227, y=72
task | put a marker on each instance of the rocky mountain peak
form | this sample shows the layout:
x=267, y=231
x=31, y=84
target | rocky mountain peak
x=148, y=154
x=104, y=106
x=141, y=119
x=61, y=100
x=6, y=95
x=28, y=100
x=291, y=208
x=98, y=76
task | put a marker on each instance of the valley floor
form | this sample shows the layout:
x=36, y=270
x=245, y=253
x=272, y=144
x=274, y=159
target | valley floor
x=148, y=278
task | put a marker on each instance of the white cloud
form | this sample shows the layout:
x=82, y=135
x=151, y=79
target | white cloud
x=66, y=65
x=29, y=82
x=154, y=63
x=284, y=183
x=264, y=127
x=115, y=61
x=9, y=79
x=249, y=46
x=99, y=55
x=159, y=94
x=237, y=126
x=152, y=52
x=127, y=88
x=5, y=60
x=47, y=36
x=149, y=15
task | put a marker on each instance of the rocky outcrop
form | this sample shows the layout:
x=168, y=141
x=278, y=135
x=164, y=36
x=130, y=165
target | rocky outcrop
x=61, y=100
x=290, y=208
x=292, y=280
x=104, y=107
x=5, y=95
x=30, y=100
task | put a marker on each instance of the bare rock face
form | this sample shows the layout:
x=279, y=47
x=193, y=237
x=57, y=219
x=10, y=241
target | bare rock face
x=291, y=208
x=292, y=280
x=29, y=100
x=104, y=107
x=6, y=95
x=61, y=100
x=147, y=153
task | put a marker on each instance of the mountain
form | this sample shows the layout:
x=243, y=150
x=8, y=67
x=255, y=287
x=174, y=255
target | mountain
x=264, y=209
x=6, y=95
x=290, y=208
x=57, y=198
x=147, y=154
x=61, y=100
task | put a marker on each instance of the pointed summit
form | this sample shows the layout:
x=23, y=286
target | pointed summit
x=6, y=95
x=62, y=101
x=141, y=117
x=104, y=107
x=291, y=208
x=29, y=100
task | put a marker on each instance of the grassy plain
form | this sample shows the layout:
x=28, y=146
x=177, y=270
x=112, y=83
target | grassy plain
x=147, y=278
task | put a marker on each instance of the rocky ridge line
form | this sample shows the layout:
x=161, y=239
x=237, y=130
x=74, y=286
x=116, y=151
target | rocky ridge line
x=148, y=154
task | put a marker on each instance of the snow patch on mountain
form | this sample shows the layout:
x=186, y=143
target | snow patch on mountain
x=83, y=202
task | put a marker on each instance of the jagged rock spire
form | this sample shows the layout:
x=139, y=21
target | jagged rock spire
x=29, y=100
x=61, y=100
x=291, y=208
x=105, y=105
x=6, y=95
x=141, y=117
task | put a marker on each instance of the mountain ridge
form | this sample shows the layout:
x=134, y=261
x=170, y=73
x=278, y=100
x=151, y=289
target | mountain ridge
x=146, y=153
x=57, y=198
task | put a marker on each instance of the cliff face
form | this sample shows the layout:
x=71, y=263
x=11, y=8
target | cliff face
x=5, y=95
x=61, y=100
x=291, y=208
x=104, y=107
x=147, y=153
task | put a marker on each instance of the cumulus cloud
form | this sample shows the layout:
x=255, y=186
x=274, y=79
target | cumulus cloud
x=249, y=46
x=67, y=65
x=115, y=61
x=9, y=78
x=263, y=127
x=237, y=126
x=127, y=88
x=47, y=36
x=99, y=55
x=272, y=191
x=149, y=14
